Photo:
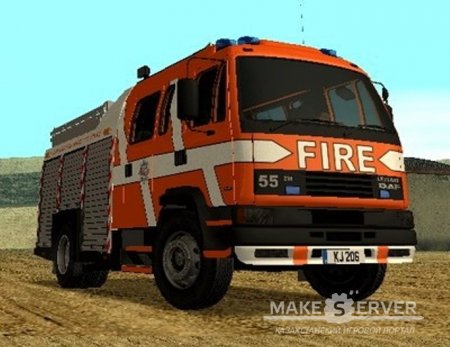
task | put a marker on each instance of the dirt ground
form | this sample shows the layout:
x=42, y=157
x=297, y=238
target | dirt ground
x=129, y=311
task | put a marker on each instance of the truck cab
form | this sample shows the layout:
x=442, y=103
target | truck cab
x=323, y=182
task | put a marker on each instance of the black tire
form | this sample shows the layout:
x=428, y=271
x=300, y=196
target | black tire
x=94, y=279
x=357, y=281
x=209, y=279
x=70, y=274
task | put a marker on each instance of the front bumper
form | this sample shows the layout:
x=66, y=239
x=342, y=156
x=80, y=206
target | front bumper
x=317, y=236
x=287, y=225
x=312, y=255
x=287, y=236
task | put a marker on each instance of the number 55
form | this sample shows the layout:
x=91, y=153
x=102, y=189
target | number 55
x=265, y=181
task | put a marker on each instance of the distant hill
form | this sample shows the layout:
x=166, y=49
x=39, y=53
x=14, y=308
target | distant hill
x=19, y=189
x=19, y=181
x=20, y=165
x=445, y=161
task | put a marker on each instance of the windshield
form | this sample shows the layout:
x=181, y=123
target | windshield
x=276, y=91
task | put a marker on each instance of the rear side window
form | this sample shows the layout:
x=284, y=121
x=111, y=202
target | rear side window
x=165, y=113
x=144, y=117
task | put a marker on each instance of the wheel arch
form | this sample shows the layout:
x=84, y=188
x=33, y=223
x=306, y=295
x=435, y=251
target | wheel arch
x=72, y=218
x=192, y=199
x=189, y=198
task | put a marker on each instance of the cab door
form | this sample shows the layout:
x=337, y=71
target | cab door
x=207, y=140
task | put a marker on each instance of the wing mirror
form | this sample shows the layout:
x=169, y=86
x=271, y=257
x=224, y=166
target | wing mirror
x=188, y=99
x=385, y=97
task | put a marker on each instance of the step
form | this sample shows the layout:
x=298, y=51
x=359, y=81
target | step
x=137, y=269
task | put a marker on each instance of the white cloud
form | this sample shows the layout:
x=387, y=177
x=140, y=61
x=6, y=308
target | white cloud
x=423, y=122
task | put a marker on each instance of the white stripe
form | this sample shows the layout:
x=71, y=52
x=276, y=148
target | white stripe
x=206, y=158
x=148, y=203
x=177, y=136
x=393, y=160
x=268, y=151
x=213, y=187
x=121, y=135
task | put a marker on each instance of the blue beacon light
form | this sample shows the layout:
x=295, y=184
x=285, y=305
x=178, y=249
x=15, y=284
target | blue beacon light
x=330, y=52
x=248, y=40
x=223, y=43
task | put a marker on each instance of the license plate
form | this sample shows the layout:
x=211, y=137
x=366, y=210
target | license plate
x=342, y=256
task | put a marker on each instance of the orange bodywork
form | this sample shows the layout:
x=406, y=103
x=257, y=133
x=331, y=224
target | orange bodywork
x=128, y=206
x=235, y=179
x=300, y=255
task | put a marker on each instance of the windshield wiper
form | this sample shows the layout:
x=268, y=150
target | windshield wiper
x=371, y=127
x=305, y=120
x=289, y=122
x=318, y=120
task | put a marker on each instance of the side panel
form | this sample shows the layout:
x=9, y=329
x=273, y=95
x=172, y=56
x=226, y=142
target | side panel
x=71, y=180
x=128, y=210
x=96, y=195
x=47, y=204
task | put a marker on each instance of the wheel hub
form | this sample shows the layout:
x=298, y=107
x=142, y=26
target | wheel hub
x=181, y=260
x=178, y=259
x=63, y=254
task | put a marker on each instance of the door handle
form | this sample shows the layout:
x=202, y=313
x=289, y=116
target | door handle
x=180, y=157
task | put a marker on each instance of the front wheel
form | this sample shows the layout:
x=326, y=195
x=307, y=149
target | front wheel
x=184, y=277
x=357, y=281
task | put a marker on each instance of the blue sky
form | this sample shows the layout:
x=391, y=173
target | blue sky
x=59, y=59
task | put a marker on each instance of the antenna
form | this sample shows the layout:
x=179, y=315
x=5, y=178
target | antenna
x=302, y=24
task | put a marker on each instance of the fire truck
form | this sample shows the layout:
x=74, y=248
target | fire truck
x=246, y=155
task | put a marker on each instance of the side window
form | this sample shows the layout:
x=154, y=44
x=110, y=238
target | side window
x=212, y=92
x=144, y=117
x=370, y=111
x=205, y=88
x=221, y=88
x=165, y=112
x=345, y=105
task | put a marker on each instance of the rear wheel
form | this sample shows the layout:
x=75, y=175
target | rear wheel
x=357, y=281
x=70, y=274
x=184, y=278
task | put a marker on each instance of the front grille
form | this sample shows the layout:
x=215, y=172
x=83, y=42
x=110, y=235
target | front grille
x=340, y=185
